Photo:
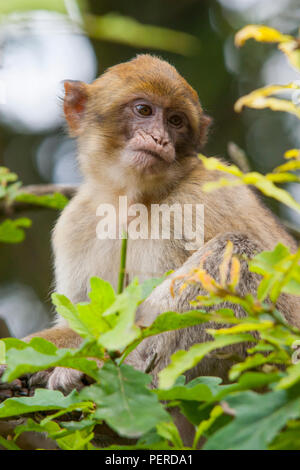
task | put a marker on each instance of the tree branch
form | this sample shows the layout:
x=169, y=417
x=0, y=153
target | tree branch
x=68, y=190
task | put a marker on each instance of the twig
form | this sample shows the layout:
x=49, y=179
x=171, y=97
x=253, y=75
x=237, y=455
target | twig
x=238, y=156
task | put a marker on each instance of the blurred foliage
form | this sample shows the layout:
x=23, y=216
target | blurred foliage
x=11, y=231
x=111, y=27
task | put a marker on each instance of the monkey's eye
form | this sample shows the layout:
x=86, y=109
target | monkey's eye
x=176, y=120
x=144, y=109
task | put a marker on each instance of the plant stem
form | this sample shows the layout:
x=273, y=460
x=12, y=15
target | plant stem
x=122, y=270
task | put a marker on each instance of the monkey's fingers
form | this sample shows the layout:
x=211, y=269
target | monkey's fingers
x=17, y=387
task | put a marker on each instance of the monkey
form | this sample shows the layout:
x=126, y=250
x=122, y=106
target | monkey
x=139, y=128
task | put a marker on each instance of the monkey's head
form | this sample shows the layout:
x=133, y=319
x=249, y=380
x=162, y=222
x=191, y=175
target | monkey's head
x=140, y=119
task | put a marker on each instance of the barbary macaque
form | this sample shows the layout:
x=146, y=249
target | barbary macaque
x=139, y=128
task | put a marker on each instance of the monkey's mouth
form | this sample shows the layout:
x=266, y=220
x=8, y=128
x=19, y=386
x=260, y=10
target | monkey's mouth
x=145, y=160
x=150, y=152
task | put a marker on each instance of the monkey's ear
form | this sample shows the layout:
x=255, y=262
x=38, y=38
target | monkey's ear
x=205, y=123
x=74, y=103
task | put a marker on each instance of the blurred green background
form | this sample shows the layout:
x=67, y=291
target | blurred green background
x=43, y=42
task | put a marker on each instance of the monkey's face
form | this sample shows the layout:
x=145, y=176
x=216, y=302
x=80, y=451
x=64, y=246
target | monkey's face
x=140, y=119
x=152, y=134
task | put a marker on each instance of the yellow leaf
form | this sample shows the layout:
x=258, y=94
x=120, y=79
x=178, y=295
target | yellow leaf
x=292, y=50
x=292, y=153
x=235, y=272
x=241, y=328
x=289, y=166
x=224, y=266
x=260, y=99
x=212, y=185
x=268, y=188
x=282, y=177
x=260, y=102
x=213, y=163
x=260, y=33
x=207, y=282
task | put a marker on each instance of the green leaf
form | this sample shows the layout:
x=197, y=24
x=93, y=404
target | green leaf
x=9, y=445
x=124, y=401
x=39, y=354
x=43, y=400
x=291, y=378
x=2, y=352
x=199, y=389
x=182, y=361
x=53, y=201
x=247, y=381
x=107, y=318
x=266, y=261
x=126, y=30
x=67, y=310
x=79, y=440
x=150, y=284
x=6, y=176
x=280, y=357
x=11, y=230
x=215, y=413
x=170, y=432
x=174, y=321
x=102, y=296
x=170, y=321
x=31, y=425
x=257, y=420
x=289, y=439
x=28, y=5
x=73, y=426
x=87, y=318
x=121, y=318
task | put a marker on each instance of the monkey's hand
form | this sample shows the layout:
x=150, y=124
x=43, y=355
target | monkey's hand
x=15, y=388
x=58, y=378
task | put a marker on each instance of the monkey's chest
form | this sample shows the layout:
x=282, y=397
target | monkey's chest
x=145, y=259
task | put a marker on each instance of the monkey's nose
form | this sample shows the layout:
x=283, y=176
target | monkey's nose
x=160, y=140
